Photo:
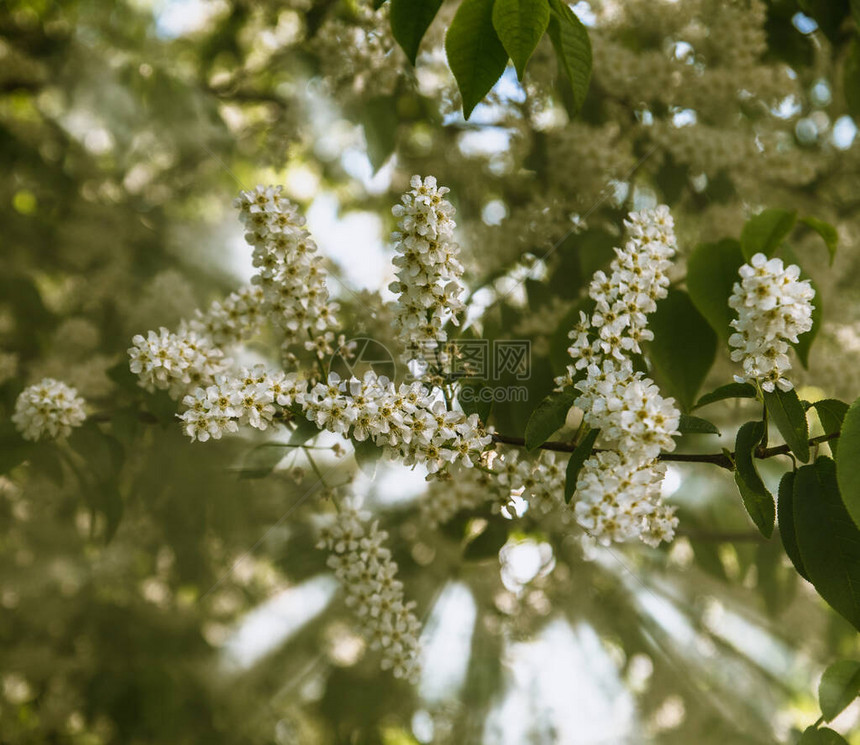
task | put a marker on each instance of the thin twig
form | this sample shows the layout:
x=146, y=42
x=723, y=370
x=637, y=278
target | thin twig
x=718, y=459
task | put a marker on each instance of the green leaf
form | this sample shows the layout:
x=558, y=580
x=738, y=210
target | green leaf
x=693, y=425
x=683, y=348
x=520, y=25
x=787, y=413
x=831, y=413
x=410, y=20
x=829, y=541
x=839, y=686
x=821, y=736
x=765, y=231
x=304, y=431
x=262, y=460
x=804, y=341
x=488, y=543
x=712, y=271
x=572, y=48
x=785, y=513
x=473, y=400
x=377, y=4
x=380, y=121
x=475, y=54
x=367, y=453
x=826, y=231
x=759, y=506
x=574, y=465
x=851, y=78
x=730, y=390
x=548, y=417
x=112, y=505
x=847, y=458
x=46, y=460
x=104, y=453
x=757, y=499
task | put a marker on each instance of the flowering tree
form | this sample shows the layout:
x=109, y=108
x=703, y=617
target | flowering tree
x=654, y=236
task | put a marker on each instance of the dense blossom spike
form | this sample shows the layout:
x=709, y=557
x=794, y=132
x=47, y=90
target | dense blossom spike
x=289, y=269
x=774, y=307
x=618, y=493
x=428, y=268
x=364, y=566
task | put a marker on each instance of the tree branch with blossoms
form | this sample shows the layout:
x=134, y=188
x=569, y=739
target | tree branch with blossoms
x=610, y=488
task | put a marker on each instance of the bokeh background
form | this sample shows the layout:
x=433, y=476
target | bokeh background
x=152, y=592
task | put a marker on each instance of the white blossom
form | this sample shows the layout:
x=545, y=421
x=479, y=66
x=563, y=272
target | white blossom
x=774, y=307
x=618, y=492
x=289, y=269
x=363, y=565
x=428, y=268
x=252, y=398
x=175, y=362
x=48, y=410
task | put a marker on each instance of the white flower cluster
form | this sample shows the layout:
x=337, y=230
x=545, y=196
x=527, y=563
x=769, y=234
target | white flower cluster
x=175, y=362
x=253, y=398
x=774, y=307
x=48, y=410
x=406, y=420
x=428, y=269
x=364, y=567
x=620, y=497
x=539, y=481
x=617, y=496
x=233, y=319
x=289, y=269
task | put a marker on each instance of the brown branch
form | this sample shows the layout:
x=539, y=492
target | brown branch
x=718, y=459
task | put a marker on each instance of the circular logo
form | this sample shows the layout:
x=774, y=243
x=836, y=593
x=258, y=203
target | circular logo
x=357, y=357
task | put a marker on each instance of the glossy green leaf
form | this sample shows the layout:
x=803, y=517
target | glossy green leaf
x=758, y=501
x=45, y=460
x=826, y=231
x=764, y=232
x=574, y=464
x=548, y=417
x=759, y=506
x=847, y=458
x=730, y=390
x=304, y=431
x=410, y=20
x=474, y=398
x=828, y=539
x=488, y=543
x=786, y=412
x=260, y=461
x=831, y=414
x=572, y=48
x=839, y=686
x=367, y=453
x=380, y=122
x=520, y=25
x=683, y=348
x=712, y=271
x=821, y=736
x=475, y=54
x=785, y=514
x=693, y=425
x=851, y=78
